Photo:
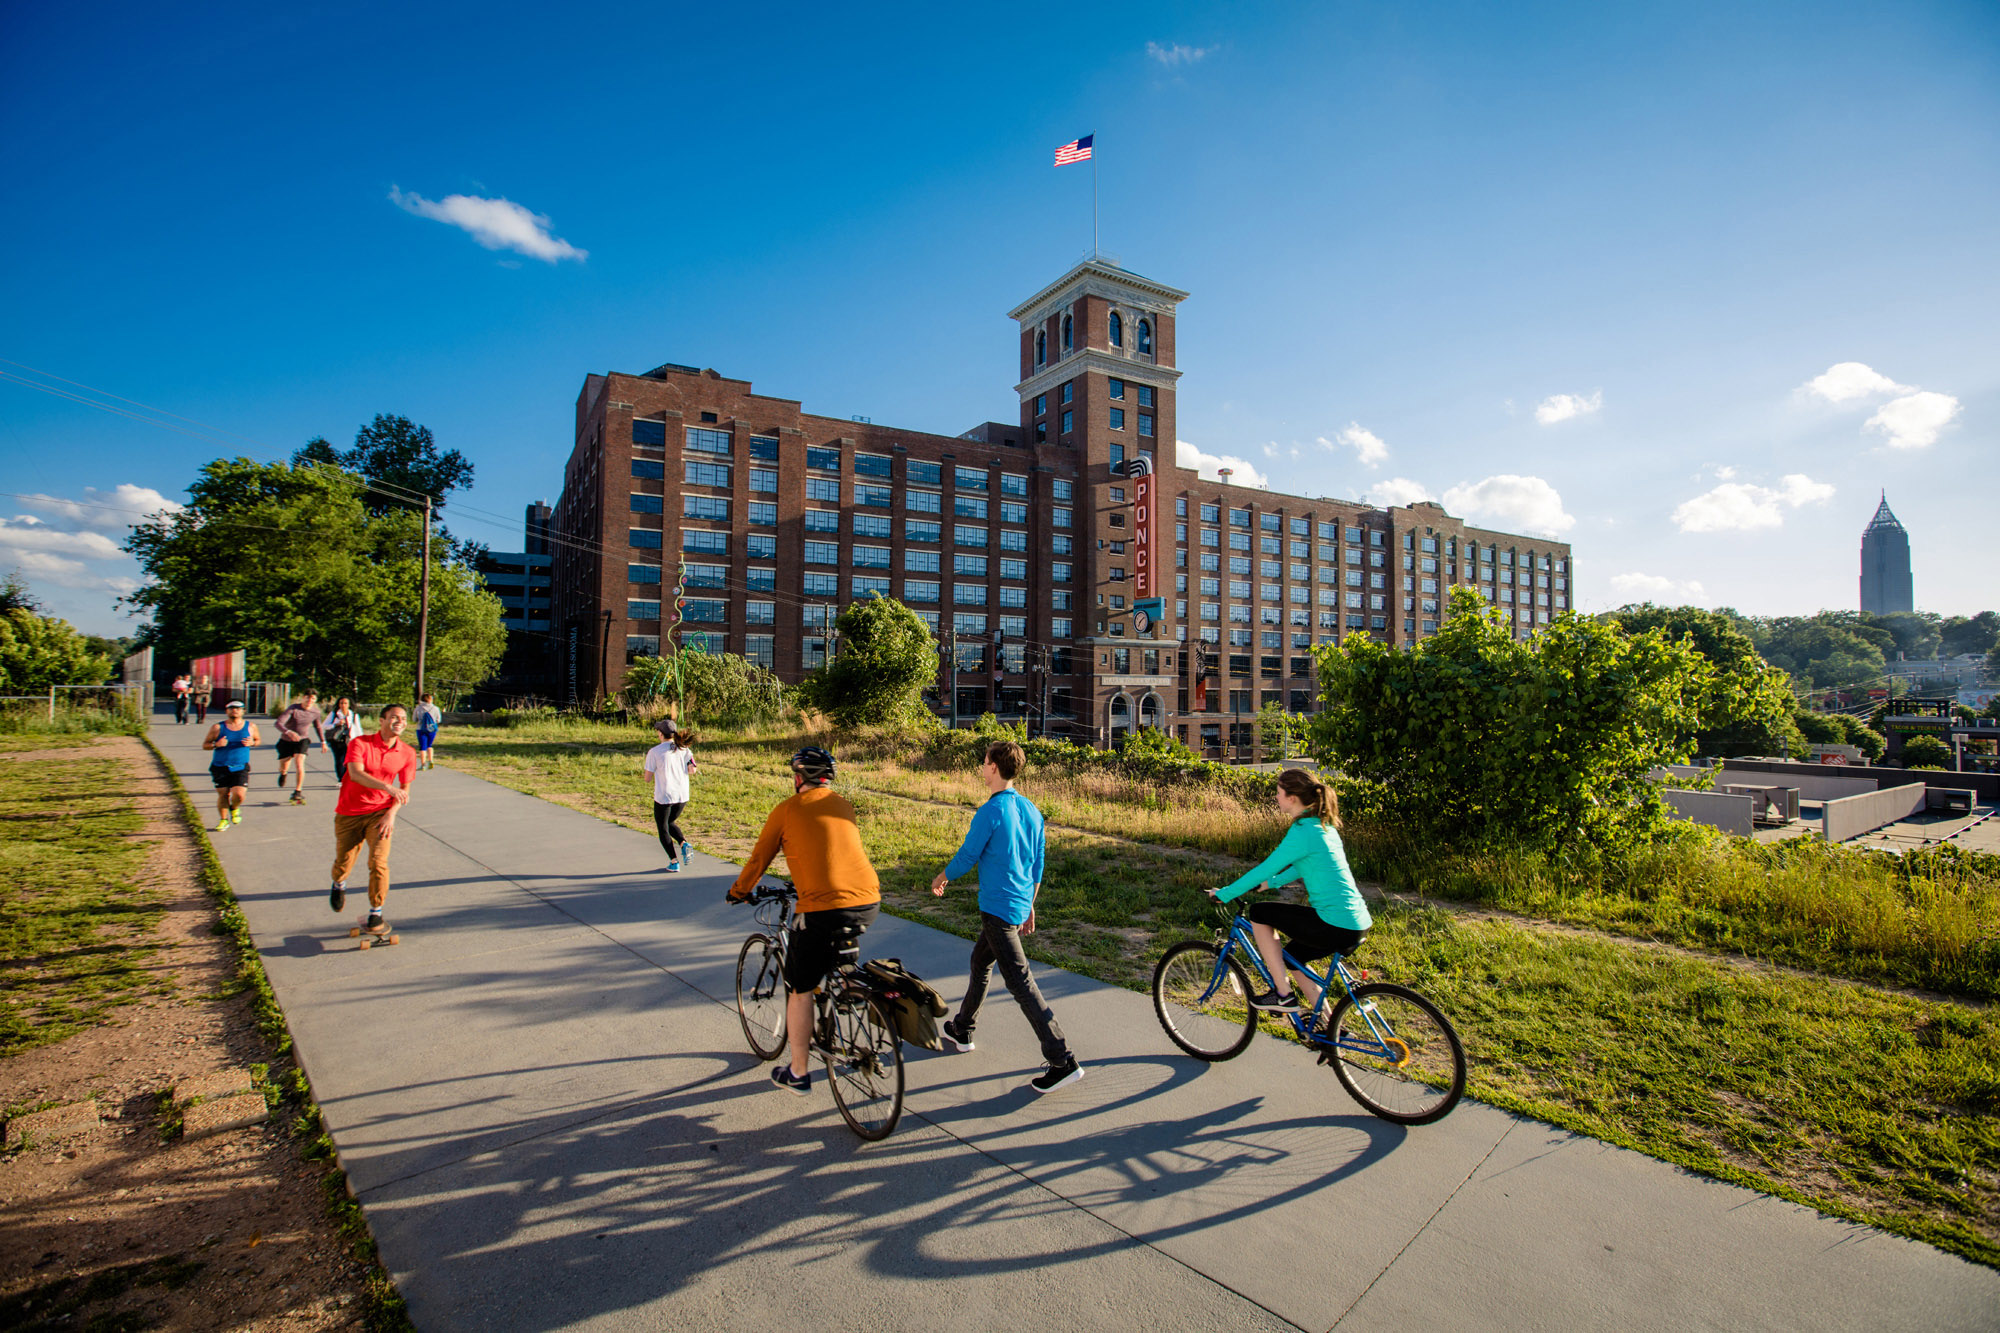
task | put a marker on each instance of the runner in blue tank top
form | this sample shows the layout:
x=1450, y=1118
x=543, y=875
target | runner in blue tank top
x=231, y=740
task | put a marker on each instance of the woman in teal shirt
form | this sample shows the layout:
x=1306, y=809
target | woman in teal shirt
x=1336, y=922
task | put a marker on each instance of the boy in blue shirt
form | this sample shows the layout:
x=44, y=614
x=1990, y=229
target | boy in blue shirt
x=1006, y=844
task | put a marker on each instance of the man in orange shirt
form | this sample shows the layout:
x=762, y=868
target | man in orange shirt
x=374, y=785
x=838, y=892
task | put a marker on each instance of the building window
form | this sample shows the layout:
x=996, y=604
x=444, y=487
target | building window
x=1061, y=489
x=642, y=573
x=822, y=520
x=1145, y=337
x=970, y=478
x=820, y=585
x=823, y=488
x=874, y=497
x=706, y=611
x=760, y=613
x=916, y=530
x=650, y=433
x=924, y=502
x=871, y=557
x=1116, y=331
x=1041, y=404
x=1013, y=596
x=646, y=538
x=708, y=441
x=706, y=474
x=969, y=622
x=704, y=542
x=873, y=465
x=963, y=535
x=649, y=504
x=649, y=469
x=968, y=594
x=708, y=576
x=1068, y=422
x=764, y=447
x=919, y=590
x=1041, y=347
x=872, y=585
x=822, y=553
x=764, y=480
x=1013, y=539
x=923, y=474
x=819, y=458
x=760, y=649
x=1013, y=483
x=641, y=645
x=1010, y=512
x=969, y=566
x=1060, y=517
x=762, y=579
x=1059, y=627
x=1118, y=418
x=763, y=515
x=872, y=525
x=1059, y=572
x=1117, y=454
x=920, y=562
x=1059, y=545
x=968, y=506
x=638, y=610
x=1069, y=336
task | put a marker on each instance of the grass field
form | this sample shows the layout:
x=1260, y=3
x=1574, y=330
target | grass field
x=1876, y=1106
x=76, y=928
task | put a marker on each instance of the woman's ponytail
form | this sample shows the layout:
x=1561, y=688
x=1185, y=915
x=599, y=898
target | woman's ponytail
x=1316, y=796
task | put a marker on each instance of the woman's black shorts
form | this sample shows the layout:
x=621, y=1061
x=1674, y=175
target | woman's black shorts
x=1308, y=935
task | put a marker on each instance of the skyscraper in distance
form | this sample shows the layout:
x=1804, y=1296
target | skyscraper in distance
x=1885, y=564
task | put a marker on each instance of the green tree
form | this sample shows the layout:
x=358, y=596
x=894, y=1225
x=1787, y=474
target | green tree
x=288, y=564
x=38, y=651
x=1968, y=634
x=1925, y=752
x=1546, y=742
x=1747, y=705
x=1872, y=743
x=1916, y=633
x=886, y=657
x=399, y=453
x=14, y=594
x=719, y=688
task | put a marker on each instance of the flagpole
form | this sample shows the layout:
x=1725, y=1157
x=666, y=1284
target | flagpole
x=1093, y=203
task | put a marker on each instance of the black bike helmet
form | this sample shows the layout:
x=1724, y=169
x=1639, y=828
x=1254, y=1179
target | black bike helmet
x=813, y=764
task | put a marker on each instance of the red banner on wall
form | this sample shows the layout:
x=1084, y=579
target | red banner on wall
x=1145, y=582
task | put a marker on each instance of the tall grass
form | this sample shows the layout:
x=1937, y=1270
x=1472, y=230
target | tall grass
x=29, y=717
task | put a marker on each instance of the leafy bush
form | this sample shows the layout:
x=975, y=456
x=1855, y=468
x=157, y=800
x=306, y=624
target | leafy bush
x=1925, y=752
x=719, y=688
x=886, y=658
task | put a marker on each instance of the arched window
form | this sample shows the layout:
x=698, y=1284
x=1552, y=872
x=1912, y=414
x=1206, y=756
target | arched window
x=1117, y=330
x=1041, y=347
x=1069, y=336
x=1146, y=336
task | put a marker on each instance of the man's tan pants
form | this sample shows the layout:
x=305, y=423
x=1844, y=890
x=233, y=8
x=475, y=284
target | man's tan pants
x=349, y=832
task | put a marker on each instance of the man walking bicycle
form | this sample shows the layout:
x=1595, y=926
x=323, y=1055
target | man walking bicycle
x=1006, y=842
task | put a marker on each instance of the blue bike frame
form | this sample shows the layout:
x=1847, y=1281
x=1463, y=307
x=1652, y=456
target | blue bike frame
x=1305, y=1024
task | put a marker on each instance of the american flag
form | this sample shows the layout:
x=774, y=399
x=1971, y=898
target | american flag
x=1076, y=150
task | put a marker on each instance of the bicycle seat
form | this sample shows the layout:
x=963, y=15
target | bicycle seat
x=847, y=946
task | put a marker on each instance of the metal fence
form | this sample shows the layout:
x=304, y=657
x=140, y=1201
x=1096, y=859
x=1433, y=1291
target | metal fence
x=128, y=700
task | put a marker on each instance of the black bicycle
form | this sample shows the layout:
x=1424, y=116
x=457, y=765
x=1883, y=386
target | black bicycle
x=853, y=1033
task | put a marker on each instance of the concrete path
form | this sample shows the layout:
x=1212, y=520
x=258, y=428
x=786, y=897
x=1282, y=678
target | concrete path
x=551, y=1118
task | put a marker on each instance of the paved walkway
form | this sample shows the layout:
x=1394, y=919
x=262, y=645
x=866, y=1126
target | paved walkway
x=551, y=1119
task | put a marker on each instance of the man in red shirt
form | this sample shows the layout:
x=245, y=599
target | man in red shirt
x=373, y=787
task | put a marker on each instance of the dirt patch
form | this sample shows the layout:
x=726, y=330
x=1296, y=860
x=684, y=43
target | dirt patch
x=121, y=1226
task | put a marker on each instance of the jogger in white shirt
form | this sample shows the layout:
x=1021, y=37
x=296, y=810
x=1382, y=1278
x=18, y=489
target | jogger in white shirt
x=671, y=763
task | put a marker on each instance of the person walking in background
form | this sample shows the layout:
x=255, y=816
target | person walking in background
x=1006, y=843
x=203, y=692
x=671, y=763
x=182, y=685
x=342, y=726
x=429, y=719
x=297, y=727
x=374, y=785
x=231, y=740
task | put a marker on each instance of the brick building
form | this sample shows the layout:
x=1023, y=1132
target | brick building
x=1073, y=575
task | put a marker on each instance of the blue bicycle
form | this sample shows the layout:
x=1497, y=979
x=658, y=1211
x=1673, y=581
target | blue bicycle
x=1393, y=1050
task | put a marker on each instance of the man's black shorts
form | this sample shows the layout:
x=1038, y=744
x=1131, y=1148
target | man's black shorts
x=1308, y=935
x=230, y=777
x=810, y=955
x=286, y=749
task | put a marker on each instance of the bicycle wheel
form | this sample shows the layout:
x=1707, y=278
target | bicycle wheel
x=864, y=1066
x=760, y=995
x=1214, y=1029
x=1407, y=1066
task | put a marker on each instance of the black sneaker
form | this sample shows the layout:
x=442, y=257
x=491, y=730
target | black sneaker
x=338, y=897
x=955, y=1038
x=1273, y=1002
x=797, y=1084
x=374, y=922
x=1069, y=1071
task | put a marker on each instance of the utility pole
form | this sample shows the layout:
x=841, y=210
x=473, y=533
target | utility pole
x=954, y=678
x=424, y=601
x=1045, y=691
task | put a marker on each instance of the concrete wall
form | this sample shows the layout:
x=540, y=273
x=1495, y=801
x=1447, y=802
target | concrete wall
x=1731, y=814
x=1986, y=784
x=1852, y=816
x=1812, y=786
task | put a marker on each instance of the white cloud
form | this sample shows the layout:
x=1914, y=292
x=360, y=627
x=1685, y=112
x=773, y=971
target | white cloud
x=1207, y=465
x=32, y=536
x=1847, y=381
x=1365, y=443
x=1527, y=503
x=1656, y=588
x=1174, y=55
x=1914, y=420
x=497, y=224
x=111, y=511
x=1563, y=406
x=1396, y=491
x=1737, y=506
x=1726, y=472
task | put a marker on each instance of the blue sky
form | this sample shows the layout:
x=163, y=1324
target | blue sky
x=1687, y=284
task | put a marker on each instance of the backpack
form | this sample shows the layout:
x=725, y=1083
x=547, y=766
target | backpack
x=914, y=1005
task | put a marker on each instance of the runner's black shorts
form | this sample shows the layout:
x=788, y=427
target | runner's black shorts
x=1308, y=935
x=286, y=749
x=230, y=777
x=815, y=938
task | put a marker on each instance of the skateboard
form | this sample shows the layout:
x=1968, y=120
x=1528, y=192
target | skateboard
x=370, y=938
